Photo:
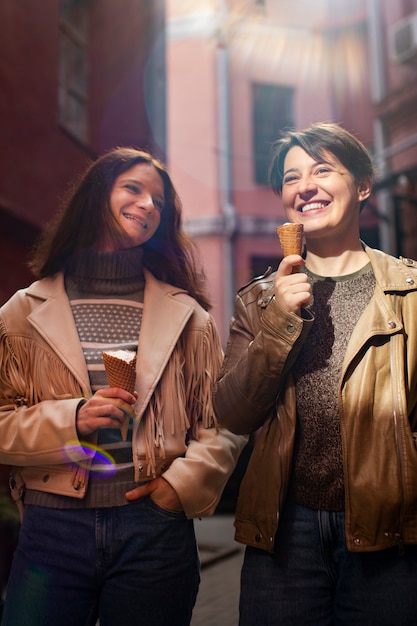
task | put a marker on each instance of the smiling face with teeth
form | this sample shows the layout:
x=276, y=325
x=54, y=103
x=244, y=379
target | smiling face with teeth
x=322, y=195
x=137, y=200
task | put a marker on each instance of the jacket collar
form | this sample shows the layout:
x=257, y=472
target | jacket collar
x=165, y=314
x=54, y=322
x=393, y=274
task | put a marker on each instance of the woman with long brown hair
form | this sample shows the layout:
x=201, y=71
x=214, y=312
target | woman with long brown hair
x=107, y=527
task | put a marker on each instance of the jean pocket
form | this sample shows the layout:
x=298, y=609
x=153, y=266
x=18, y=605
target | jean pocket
x=168, y=513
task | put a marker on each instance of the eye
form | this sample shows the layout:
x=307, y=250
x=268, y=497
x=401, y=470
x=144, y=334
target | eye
x=323, y=170
x=289, y=178
x=132, y=188
x=159, y=204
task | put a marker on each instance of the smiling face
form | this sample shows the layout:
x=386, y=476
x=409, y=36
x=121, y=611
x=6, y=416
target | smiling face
x=322, y=195
x=137, y=200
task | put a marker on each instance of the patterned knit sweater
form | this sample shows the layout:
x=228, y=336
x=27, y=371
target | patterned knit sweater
x=317, y=478
x=106, y=296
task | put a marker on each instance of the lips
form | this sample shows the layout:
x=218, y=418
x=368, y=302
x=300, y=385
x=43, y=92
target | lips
x=136, y=219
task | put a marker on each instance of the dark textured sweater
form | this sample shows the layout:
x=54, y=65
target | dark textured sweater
x=317, y=478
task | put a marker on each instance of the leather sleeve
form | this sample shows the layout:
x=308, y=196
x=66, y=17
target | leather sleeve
x=200, y=477
x=263, y=344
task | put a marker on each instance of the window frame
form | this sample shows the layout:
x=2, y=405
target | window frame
x=272, y=112
x=73, y=68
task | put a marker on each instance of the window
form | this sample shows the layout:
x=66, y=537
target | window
x=273, y=107
x=259, y=264
x=73, y=67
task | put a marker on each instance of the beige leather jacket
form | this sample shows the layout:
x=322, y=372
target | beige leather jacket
x=377, y=405
x=43, y=375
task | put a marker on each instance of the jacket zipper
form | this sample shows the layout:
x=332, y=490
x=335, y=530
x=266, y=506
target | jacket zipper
x=79, y=477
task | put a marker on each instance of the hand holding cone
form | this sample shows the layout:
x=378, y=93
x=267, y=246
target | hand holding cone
x=291, y=238
x=120, y=366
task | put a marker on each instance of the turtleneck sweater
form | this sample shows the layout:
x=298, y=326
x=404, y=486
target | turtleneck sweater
x=105, y=290
x=106, y=273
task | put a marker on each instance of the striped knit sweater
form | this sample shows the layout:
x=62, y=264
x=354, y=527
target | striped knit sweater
x=106, y=296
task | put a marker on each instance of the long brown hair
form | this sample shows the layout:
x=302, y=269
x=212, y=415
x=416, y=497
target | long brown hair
x=86, y=217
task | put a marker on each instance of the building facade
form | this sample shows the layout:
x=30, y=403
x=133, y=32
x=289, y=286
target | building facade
x=77, y=77
x=207, y=85
x=393, y=69
x=239, y=72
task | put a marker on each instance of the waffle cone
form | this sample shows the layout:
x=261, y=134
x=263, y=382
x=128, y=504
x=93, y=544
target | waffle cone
x=291, y=238
x=120, y=366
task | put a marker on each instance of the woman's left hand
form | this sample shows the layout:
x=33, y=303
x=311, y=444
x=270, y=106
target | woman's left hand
x=160, y=492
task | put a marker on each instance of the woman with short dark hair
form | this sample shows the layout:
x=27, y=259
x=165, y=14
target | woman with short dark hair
x=322, y=360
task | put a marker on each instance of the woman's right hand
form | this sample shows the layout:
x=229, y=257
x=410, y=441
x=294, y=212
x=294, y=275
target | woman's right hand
x=108, y=408
x=292, y=290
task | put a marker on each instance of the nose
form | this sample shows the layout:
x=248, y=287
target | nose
x=146, y=203
x=306, y=185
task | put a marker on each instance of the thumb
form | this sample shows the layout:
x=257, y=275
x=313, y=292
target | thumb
x=138, y=492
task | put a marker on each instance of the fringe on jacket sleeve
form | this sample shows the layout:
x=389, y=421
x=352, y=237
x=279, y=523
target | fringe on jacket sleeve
x=29, y=374
x=187, y=384
x=202, y=369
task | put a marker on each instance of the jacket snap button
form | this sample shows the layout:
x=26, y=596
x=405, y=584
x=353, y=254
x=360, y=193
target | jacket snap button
x=290, y=328
x=357, y=540
x=409, y=281
x=45, y=478
x=263, y=302
x=258, y=537
x=391, y=324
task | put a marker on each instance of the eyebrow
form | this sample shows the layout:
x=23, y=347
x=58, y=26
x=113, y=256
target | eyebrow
x=321, y=162
x=292, y=169
x=132, y=180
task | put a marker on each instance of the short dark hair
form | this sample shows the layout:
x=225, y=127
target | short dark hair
x=316, y=140
x=86, y=217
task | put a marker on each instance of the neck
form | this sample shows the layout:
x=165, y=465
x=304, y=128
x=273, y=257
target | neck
x=336, y=264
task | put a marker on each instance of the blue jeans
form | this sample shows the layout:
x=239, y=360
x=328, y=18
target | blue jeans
x=313, y=580
x=135, y=565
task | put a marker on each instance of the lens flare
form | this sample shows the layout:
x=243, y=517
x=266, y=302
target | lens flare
x=81, y=453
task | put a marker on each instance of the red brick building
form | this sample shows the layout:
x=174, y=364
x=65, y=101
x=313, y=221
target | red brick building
x=77, y=77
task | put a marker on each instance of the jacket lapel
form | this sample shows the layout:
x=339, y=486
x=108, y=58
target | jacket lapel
x=164, y=318
x=54, y=321
x=166, y=312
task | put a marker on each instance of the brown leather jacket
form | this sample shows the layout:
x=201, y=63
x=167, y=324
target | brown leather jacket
x=377, y=405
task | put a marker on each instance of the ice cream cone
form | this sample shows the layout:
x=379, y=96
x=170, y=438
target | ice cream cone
x=291, y=238
x=120, y=366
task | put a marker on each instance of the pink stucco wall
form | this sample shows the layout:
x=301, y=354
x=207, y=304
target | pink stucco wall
x=323, y=54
